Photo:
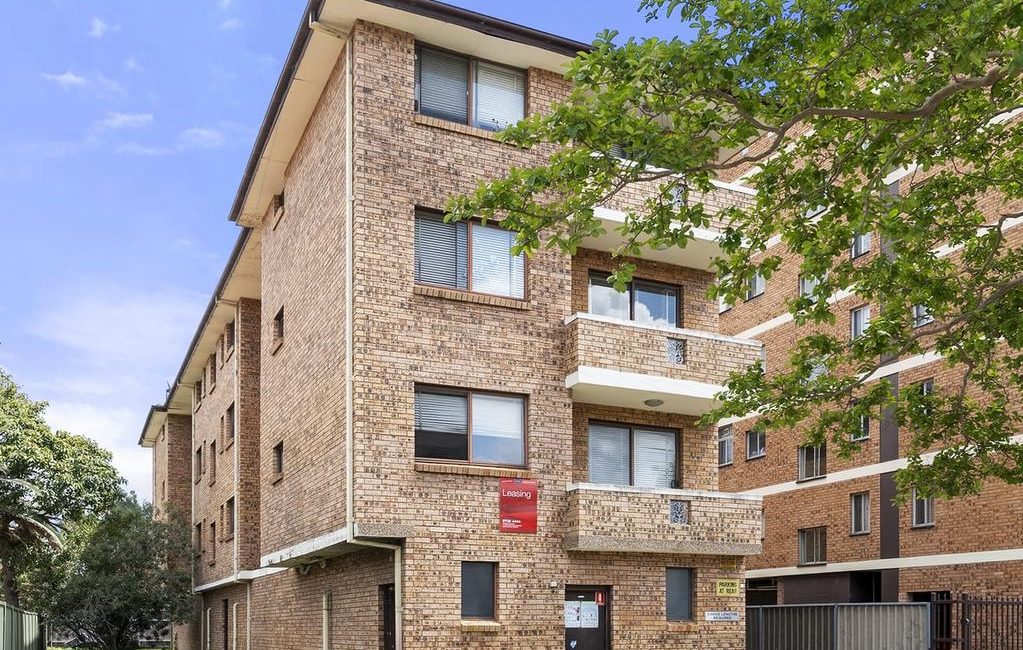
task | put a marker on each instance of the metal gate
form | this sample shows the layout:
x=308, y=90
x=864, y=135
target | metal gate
x=854, y=626
x=20, y=630
x=977, y=624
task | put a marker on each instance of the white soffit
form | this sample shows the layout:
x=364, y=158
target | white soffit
x=630, y=390
x=698, y=253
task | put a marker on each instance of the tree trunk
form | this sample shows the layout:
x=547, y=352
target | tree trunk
x=8, y=576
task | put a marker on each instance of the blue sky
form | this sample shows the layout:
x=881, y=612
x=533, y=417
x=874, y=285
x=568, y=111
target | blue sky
x=124, y=129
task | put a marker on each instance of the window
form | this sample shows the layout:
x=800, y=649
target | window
x=651, y=303
x=723, y=304
x=622, y=455
x=756, y=443
x=818, y=370
x=679, y=594
x=213, y=542
x=469, y=91
x=725, y=445
x=813, y=545
x=863, y=430
x=229, y=337
x=923, y=511
x=197, y=544
x=812, y=462
x=859, y=505
x=860, y=245
x=755, y=285
x=213, y=462
x=197, y=396
x=279, y=458
x=479, y=590
x=278, y=325
x=922, y=316
x=859, y=320
x=468, y=255
x=197, y=467
x=228, y=427
x=808, y=286
x=212, y=369
x=469, y=426
x=229, y=514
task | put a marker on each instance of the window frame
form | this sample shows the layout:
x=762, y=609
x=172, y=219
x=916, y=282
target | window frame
x=437, y=215
x=750, y=287
x=862, y=309
x=468, y=393
x=763, y=447
x=821, y=542
x=692, y=595
x=602, y=275
x=921, y=320
x=471, y=83
x=821, y=462
x=212, y=463
x=865, y=497
x=229, y=426
x=230, y=517
x=928, y=510
x=277, y=326
x=676, y=481
x=856, y=251
x=495, y=588
x=213, y=542
x=803, y=293
x=730, y=437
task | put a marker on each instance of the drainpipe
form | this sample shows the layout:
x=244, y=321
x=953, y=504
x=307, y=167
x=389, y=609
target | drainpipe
x=248, y=616
x=326, y=620
x=236, y=541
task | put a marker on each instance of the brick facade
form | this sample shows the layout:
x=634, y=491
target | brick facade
x=300, y=568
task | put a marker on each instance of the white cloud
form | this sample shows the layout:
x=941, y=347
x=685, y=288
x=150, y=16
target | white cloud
x=115, y=325
x=231, y=24
x=201, y=138
x=226, y=4
x=131, y=64
x=98, y=28
x=115, y=120
x=114, y=428
x=66, y=79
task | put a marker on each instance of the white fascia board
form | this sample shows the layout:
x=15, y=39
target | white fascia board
x=696, y=494
x=308, y=547
x=642, y=383
x=918, y=561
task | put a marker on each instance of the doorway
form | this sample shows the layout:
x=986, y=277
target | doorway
x=587, y=618
x=387, y=617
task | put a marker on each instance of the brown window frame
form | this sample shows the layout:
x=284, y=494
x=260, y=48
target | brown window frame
x=228, y=426
x=470, y=95
x=816, y=530
x=431, y=213
x=676, y=482
x=678, y=288
x=198, y=464
x=468, y=393
x=230, y=518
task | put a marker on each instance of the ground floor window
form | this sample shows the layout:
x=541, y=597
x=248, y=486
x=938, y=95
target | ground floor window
x=479, y=590
x=679, y=594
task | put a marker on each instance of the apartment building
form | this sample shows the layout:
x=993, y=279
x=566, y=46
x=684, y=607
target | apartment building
x=831, y=530
x=389, y=431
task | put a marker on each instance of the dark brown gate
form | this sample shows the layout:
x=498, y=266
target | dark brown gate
x=968, y=623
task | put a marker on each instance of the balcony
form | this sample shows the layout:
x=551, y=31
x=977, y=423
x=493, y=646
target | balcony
x=699, y=253
x=626, y=364
x=606, y=518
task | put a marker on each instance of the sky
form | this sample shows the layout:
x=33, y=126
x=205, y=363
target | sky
x=124, y=130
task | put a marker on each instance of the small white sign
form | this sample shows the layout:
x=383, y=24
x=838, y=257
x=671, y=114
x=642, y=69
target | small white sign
x=721, y=617
x=572, y=613
x=589, y=614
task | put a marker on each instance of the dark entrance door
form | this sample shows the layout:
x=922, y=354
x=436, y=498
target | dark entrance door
x=587, y=618
x=387, y=614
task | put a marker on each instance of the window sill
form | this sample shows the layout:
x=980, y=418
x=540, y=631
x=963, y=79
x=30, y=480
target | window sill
x=921, y=526
x=228, y=445
x=276, y=344
x=227, y=356
x=473, y=470
x=469, y=296
x=277, y=478
x=480, y=626
x=229, y=538
x=757, y=457
x=862, y=533
x=808, y=479
x=812, y=564
x=212, y=388
x=458, y=127
x=863, y=439
x=721, y=465
x=682, y=626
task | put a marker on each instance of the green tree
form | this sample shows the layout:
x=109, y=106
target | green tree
x=49, y=478
x=118, y=577
x=819, y=100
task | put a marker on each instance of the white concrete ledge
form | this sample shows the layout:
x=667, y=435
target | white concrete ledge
x=672, y=331
x=682, y=493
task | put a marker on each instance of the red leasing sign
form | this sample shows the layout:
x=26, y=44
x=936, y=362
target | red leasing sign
x=518, y=505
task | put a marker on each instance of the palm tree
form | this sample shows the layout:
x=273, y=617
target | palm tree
x=22, y=525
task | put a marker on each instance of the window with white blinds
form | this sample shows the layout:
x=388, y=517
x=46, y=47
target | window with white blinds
x=469, y=91
x=500, y=96
x=468, y=426
x=468, y=255
x=621, y=455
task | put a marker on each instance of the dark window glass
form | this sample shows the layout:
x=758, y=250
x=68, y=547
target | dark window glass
x=443, y=89
x=279, y=324
x=442, y=85
x=495, y=435
x=442, y=252
x=680, y=594
x=478, y=589
x=442, y=426
x=229, y=516
x=229, y=423
x=279, y=458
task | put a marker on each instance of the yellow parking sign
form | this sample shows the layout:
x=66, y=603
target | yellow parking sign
x=727, y=587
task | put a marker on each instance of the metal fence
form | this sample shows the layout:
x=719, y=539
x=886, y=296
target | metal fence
x=20, y=630
x=891, y=626
x=967, y=623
